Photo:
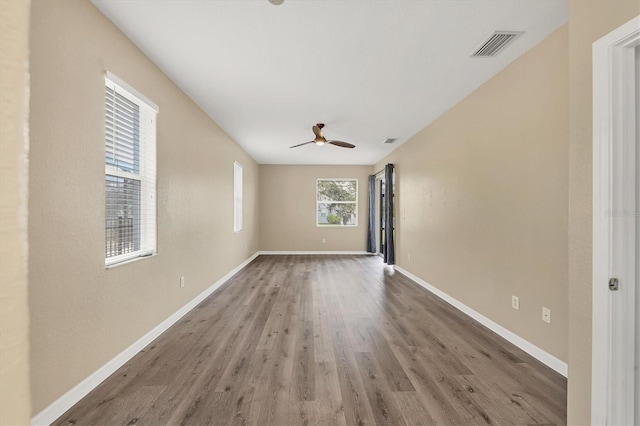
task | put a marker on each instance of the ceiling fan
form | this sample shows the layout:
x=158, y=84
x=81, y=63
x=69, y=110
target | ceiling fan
x=321, y=140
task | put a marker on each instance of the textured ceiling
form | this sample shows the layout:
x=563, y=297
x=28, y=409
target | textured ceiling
x=369, y=70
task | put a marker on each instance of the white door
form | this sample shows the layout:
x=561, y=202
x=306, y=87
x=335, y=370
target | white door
x=615, y=388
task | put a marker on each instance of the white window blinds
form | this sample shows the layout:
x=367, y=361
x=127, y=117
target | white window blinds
x=130, y=173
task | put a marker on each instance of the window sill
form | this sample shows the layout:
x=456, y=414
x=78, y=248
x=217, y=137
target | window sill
x=130, y=260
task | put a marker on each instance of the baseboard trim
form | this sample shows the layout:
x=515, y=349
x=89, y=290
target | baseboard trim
x=69, y=399
x=541, y=355
x=302, y=252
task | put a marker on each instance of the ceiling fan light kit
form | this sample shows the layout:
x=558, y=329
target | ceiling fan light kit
x=321, y=140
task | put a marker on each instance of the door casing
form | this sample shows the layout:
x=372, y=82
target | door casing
x=615, y=188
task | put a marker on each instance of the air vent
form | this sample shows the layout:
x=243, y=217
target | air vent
x=498, y=41
x=390, y=140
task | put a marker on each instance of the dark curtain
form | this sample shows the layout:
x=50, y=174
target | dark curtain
x=371, y=223
x=389, y=254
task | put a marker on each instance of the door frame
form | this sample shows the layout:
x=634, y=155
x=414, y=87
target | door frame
x=614, y=193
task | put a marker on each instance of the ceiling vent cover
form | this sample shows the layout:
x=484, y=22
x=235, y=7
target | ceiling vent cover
x=498, y=41
x=390, y=140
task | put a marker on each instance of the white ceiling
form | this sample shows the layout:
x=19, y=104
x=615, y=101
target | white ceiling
x=369, y=70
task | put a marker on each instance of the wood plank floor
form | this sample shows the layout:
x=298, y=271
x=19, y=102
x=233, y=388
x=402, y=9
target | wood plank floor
x=325, y=340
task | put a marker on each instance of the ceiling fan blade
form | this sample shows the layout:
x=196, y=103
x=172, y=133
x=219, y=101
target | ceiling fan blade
x=300, y=144
x=342, y=144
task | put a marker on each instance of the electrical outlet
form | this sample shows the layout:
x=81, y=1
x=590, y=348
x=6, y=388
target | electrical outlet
x=246, y=248
x=546, y=315
x=324, y=240
x=409, y=256
x=515, y=302
x=181, y=282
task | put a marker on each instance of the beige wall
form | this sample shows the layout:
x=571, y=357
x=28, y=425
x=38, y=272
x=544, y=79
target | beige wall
x=82, y=314
x=15, y=399
x=588, y=21
x=287, y=209
x=482, y=197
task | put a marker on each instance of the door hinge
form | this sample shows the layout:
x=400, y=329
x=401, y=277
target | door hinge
x=613, y=284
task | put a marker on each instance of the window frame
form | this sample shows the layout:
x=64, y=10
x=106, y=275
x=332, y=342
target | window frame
x=147, y=175
x=337, y=202
x=238, y=196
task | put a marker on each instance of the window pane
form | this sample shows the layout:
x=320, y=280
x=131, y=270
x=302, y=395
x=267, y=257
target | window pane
x=122, y=215
x=237, y=197
x=336, y=214
x=337, y=190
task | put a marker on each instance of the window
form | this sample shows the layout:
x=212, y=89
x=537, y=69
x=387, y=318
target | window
x=237, y=197
x=337, y=202
x=130, y=173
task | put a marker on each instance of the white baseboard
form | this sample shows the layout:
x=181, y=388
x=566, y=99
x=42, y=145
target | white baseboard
x=311, y=252
x=541, y=355
x=69, y=399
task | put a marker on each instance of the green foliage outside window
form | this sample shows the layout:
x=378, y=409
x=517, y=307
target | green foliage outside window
x=337, y=202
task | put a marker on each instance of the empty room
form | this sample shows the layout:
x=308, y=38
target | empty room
x=312, y=212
